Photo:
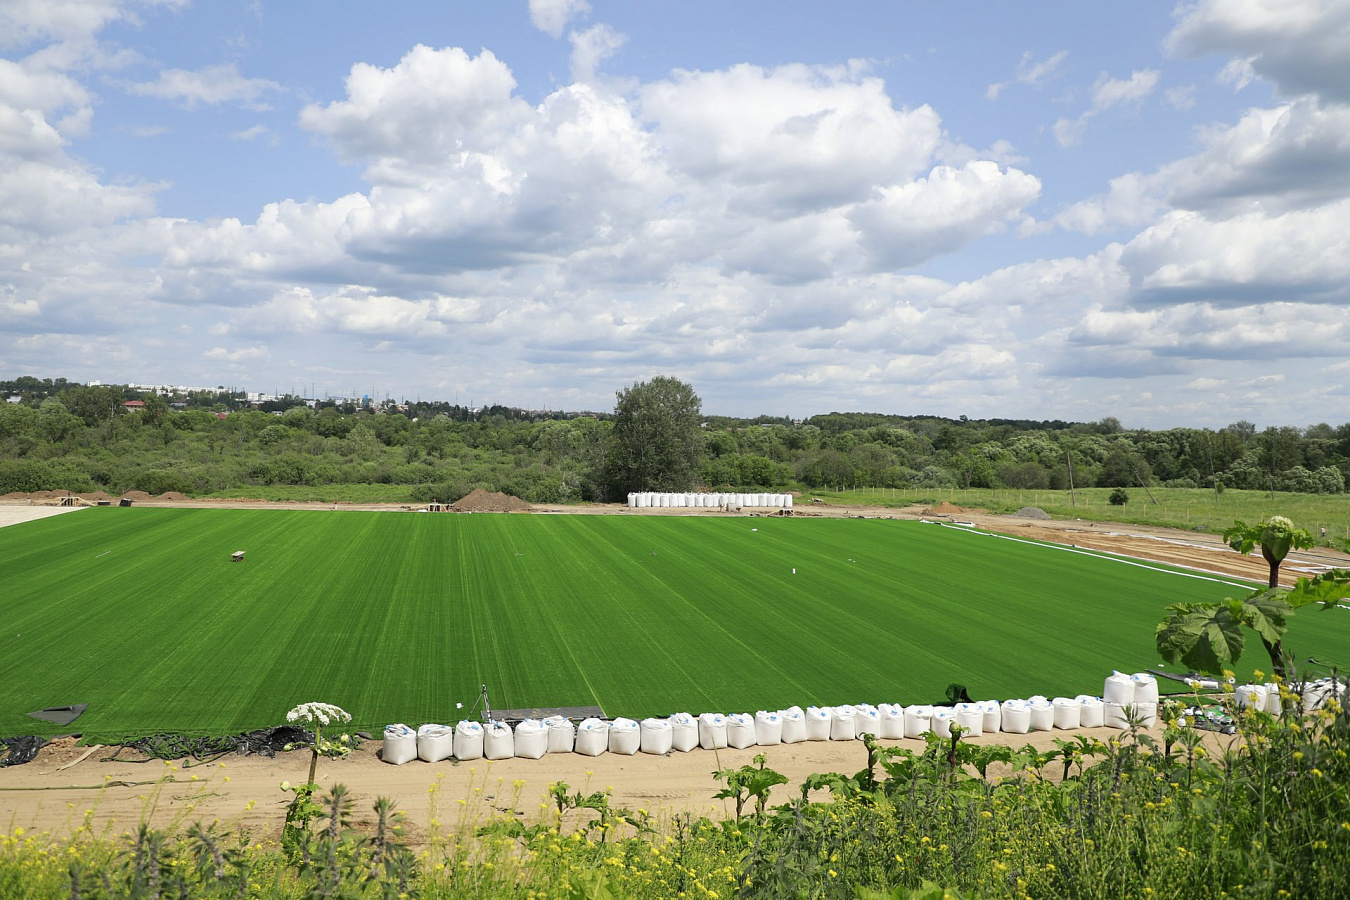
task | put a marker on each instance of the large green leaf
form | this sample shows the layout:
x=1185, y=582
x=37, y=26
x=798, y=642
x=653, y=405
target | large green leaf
x=1328, y=588
x=1266, y=612
x=1208, y=638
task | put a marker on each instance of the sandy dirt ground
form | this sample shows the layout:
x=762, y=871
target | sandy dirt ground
x=244, y=791
x=57, y=791
x=17, y=514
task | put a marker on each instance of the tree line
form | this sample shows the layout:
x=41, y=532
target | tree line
x=61, y=435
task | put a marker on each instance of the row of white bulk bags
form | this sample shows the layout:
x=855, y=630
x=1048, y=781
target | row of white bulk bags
x=400, y=744
x=1317, y=693
x=1124, y=690
x=434, y=742
x=666, y=499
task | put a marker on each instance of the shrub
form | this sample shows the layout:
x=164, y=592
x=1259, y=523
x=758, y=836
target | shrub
x=1118, y=497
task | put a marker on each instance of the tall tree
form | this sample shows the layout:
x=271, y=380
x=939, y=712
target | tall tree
x=657, y=439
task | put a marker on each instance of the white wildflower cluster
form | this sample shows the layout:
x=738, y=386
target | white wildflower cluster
x=323, y=713
x=1280, y=522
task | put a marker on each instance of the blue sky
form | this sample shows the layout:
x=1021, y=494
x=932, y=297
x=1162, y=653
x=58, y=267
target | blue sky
x=1058, y=211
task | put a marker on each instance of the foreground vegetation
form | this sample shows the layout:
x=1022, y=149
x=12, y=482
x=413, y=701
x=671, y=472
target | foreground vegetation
x=1264, y=814
x=159, y=631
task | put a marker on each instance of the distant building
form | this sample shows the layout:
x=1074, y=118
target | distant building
x=134, y=405
x=14, y=398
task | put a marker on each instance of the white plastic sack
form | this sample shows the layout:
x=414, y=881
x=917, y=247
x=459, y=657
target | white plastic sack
x=794, y=725
x=592, y=737
x=1016, y=717
x=892, y=721
x=868, y=721
x=657, y=736
x=1091, y=713
x=435, y=742
x=1119, y=689
x=942, y=721
x=625, y=737
x=1145, y=687
x=1274, y=705
x=498, y=741
x=1113, y=715
x=768, y=728
x=400, y=744
x=740, y=731
x=531, y=739
x=1147, y=713
x=1042, y=714
x=712, y=731
x=843, y=723
x=818, y=719
x=1253, y=695
x=918, y=720
x=468, y=740
x=562, y=734
x=683, y=732
x=970, y=717
x=1068, y=713
x=993, y=715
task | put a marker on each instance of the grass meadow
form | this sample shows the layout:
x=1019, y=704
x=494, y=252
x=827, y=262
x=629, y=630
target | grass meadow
x=397, y=617
x=1192, y=508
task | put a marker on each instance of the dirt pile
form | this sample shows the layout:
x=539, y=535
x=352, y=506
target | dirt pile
x=173, y=496
x=137, y=496
x=479, y=500
x=1031, y=512
x=95, y=496
x=15, y=495
x=945, y=508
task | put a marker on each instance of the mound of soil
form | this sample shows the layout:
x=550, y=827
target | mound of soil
x=173, y=496
x=1031, y=512
x=945, y=508
x=95, y=496
x=479, y=500
x=138, y=496
x=14, y=495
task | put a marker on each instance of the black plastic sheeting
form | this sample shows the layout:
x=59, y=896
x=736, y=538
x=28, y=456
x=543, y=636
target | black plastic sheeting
x=263, y=742
x=61, y=715
x=19, y=750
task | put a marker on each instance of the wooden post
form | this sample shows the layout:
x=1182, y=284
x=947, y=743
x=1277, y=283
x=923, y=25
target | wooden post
x=1073, y=501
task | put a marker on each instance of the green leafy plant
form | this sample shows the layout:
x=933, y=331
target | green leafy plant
x=749, y=782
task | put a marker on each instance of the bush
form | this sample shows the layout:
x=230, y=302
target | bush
x=1118, y=497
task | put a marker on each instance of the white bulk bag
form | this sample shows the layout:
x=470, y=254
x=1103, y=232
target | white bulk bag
x=468, y=740
x=1147, y=713
x=712, y=731
x=1145, y=687
x=400, y=744
x=1119, y=689
x=818, y=719
x=435, y=742
x=562, y=734
x=892, y=721
x=498, y=741
x=1091, y=713
x=1068, y=713
x=787, y=502
x=592, y=737
x=1016, y=717
x=1113, y=715
x=768, y=728
x=740, y=731
x=918, y=719
x=632, y=501
x=531, y=739
x=1253, y=695
x=1274, y=705
x=993, y=718
x=1042, y=714
x=942, y=721
x=794, y=725
x=657, y=736
x=970, y=717
x=868, y=721
x=683, y=732
x=625, y=737
x=843, y=723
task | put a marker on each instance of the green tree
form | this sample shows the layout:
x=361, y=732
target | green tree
x=657, y=442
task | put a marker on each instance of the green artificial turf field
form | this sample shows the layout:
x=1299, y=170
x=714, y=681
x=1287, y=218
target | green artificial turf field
x=396, y=617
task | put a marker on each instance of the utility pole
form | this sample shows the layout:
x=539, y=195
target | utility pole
x=1069, y=459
